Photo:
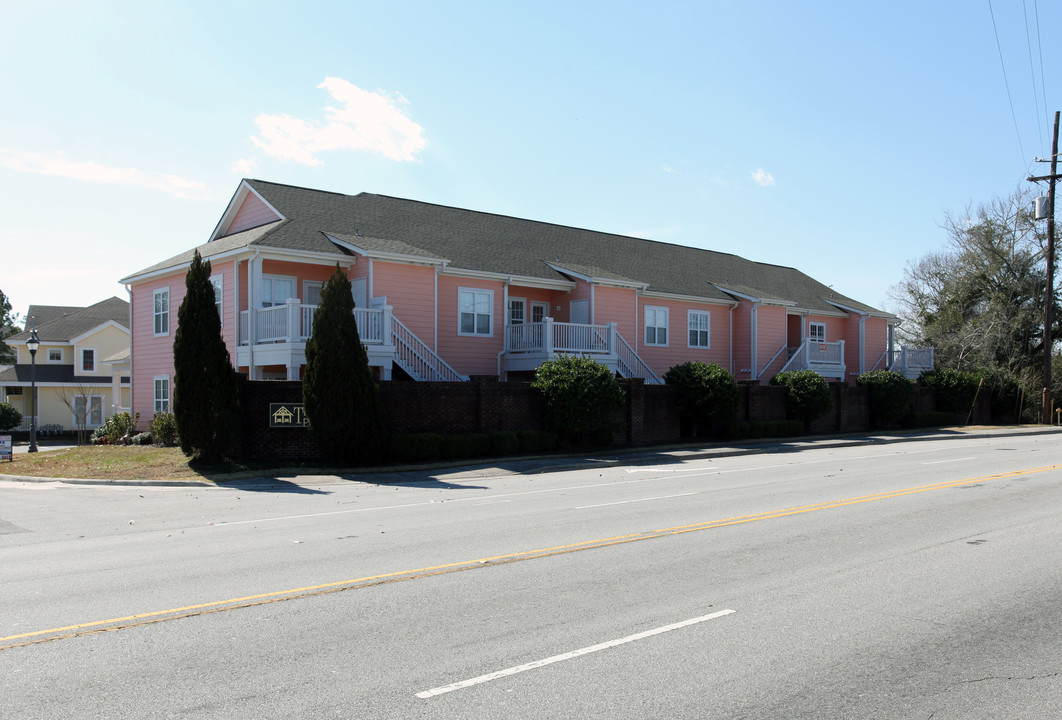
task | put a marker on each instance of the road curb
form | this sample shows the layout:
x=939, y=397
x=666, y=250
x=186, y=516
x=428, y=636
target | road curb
x=632, y=456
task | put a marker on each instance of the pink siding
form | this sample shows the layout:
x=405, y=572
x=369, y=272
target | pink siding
x=877, y=340
x=466, y=354
x=227, y=271
x=251, y=214
x=410, y=290
x=743, y=341
x=618, y=305
x=152, y=355
x=581, y=291
x=677, y=351
x=771, y=338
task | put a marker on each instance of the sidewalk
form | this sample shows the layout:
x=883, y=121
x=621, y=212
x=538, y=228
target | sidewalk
x=529, y=465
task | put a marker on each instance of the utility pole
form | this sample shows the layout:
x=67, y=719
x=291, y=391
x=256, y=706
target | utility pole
x=1050, y=296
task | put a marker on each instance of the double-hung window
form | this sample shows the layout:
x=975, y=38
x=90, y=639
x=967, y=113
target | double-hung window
x=218, y=281
x=55, y=355
x=162, y=393
x=700, y=328
x=817, y=332
x=162, y=311
x=474, y=311
x=88, y=360
x=655, y=325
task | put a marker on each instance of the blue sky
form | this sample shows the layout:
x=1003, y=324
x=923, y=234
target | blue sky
x=832, y=137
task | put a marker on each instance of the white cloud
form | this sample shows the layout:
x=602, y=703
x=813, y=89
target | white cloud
x=762, y=178
x=244, y=167
x=669, y=169
x=87, y=171
x=363, y=121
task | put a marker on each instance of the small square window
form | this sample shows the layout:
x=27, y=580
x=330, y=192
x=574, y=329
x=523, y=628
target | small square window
x=55, y=355
x=817, y=332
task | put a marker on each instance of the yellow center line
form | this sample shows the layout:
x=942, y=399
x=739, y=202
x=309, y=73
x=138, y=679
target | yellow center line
x=118, y=623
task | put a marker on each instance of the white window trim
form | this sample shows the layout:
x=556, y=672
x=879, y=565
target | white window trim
x=708, y=329
x=319, y=284
x=218, y=281
x=261, y=288
x=155, y=393
x=88, y=411
x=812, y=325
x=155, y=311
x=49, y=355
x=666, y=325
x=490, y=314
x=81, y=361
x=538, y=304
x=508, y=311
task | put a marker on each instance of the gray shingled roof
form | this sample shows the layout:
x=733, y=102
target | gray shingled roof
x=57, y=324
x=486, y=242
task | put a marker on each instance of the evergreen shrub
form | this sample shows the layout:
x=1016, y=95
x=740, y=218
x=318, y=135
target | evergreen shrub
x=891, y=396
x=707, y=394
x=338, y=391
x=954, y=389
x=807, y=396
x=504, y=442
x=530, y=441
x=578, y=395
x=164, y=429
x=10, y=418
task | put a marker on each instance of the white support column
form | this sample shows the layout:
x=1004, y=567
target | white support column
x=294, y=311
x=293, y=372
x=547, y=336
x=612, y=333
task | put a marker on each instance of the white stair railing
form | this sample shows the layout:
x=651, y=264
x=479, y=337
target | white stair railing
x=419, y=360
x=631, y=364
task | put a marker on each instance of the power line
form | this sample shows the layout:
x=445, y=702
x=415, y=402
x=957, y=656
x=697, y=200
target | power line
x=1032, y=71
x=1040, y=49
x=1007, y=84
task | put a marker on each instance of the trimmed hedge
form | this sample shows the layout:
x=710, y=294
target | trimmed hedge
x=927, y=419
x=763, y=429
x=423, y=447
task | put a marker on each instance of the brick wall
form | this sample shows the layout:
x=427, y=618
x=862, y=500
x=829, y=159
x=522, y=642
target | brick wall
x=486, y=405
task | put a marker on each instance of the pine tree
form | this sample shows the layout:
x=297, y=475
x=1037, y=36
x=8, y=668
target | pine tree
x=338, y=390
x=205, y=391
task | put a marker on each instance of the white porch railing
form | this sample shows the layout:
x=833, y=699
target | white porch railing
x=912, y=362
x=549, y=337
x=825, y=358
x=292, y=322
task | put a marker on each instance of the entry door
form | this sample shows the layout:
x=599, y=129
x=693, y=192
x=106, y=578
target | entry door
x=580, y=311
x=359, y=288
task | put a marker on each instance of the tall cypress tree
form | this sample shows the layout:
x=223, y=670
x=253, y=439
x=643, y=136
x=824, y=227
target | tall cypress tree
x=338, y=392
x=205, y=391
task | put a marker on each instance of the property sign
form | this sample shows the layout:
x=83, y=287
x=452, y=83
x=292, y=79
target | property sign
x=287, y=415
x=5, y=448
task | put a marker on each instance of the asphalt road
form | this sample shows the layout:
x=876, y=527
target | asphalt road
x=907, y=580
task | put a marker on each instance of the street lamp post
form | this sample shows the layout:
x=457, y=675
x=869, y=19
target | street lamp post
x=32, y=344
